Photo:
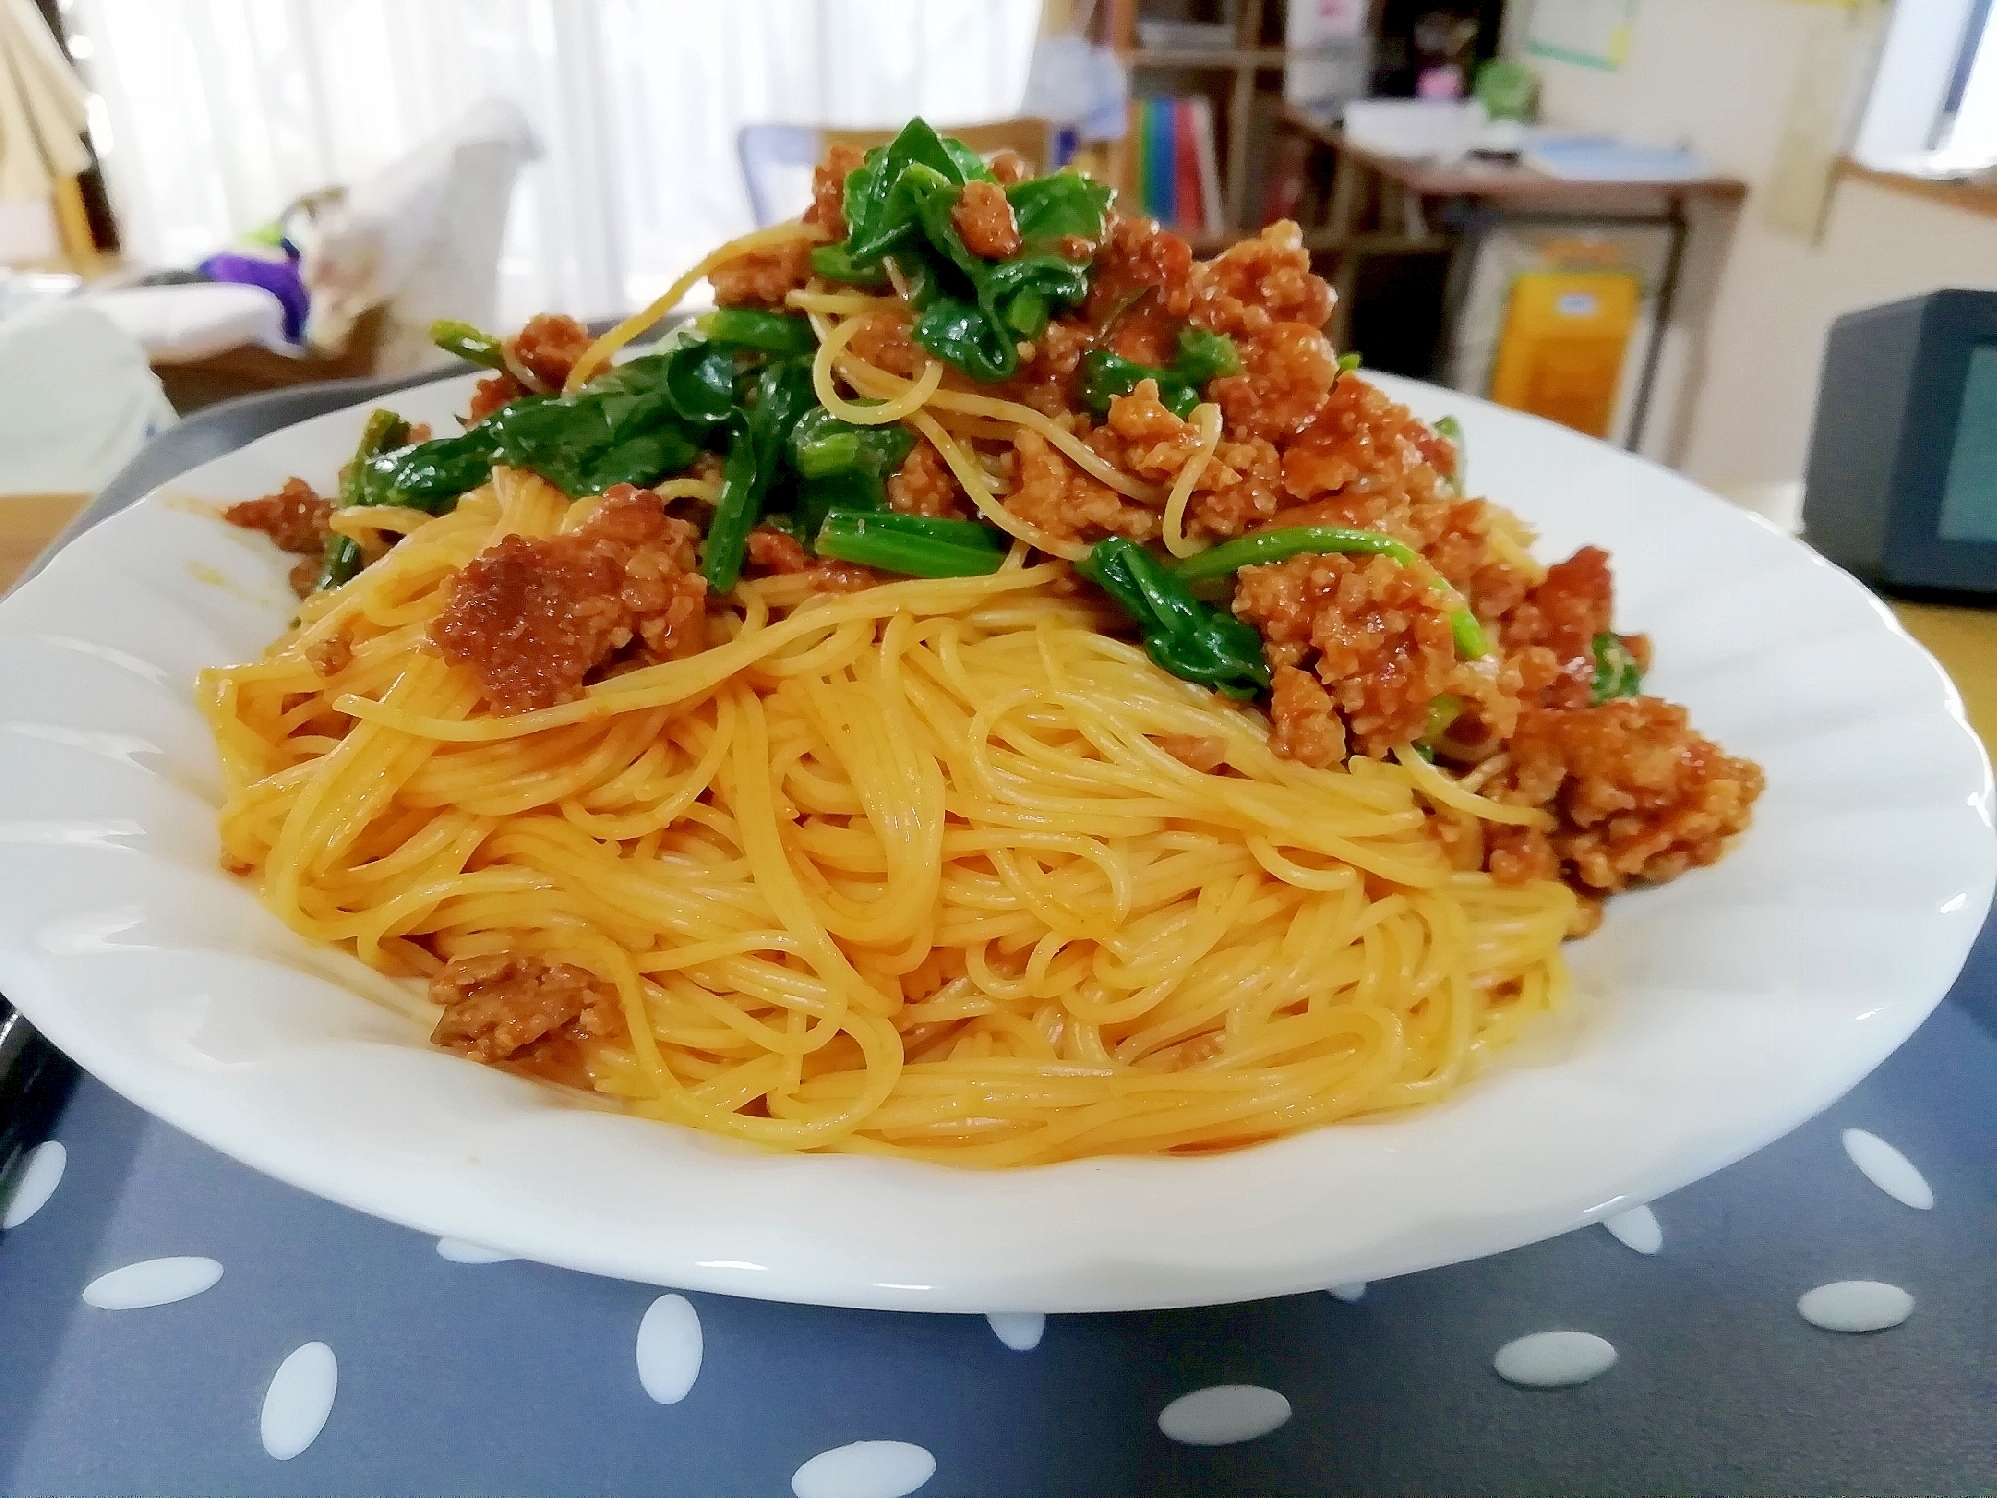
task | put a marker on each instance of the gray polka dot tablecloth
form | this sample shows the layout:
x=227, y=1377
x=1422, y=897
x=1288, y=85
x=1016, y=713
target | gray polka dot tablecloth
x=1819, y=1318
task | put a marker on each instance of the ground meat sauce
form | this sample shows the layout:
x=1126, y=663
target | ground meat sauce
x=1378, y=643
x=924, y=485
x=1637, y=793
x=764, y=277
x=773, y=553
x=549, y=347
x=523, y=1013
x=295, y=517
x=984, y=218
x=828, y=190
x=532, y=617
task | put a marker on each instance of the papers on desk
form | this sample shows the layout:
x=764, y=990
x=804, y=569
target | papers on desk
x=1601, y=158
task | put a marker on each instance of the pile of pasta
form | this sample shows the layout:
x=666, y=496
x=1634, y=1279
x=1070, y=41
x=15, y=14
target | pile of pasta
x=909, y=870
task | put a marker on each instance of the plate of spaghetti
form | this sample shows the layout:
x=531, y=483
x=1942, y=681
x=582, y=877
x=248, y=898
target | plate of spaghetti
x=994, y=770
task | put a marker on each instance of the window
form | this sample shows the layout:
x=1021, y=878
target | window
x=1933, y=109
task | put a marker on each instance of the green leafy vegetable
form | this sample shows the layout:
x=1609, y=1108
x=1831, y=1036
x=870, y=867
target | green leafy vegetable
x=1065, y=205
x=1616, y=671
x=629, y=425
x=1347, y=363
x=468, y=343
x=342, y=558
x=836, y=263
x=1281, y=545
x=970, y=312
x=768, y=332
x=1450, y=430
x=1201, y=357
x=1192, y=640
x=781, y=395
x=879, y=210
x=915, y=545
x=1442, y=711
x=1205, y=355
x=843, y=466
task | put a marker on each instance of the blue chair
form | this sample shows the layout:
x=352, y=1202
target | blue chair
x=773, y=156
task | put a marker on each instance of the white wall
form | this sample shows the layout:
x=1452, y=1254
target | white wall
x=1719, y=75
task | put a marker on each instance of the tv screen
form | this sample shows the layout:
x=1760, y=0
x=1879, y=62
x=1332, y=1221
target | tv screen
x=1969, y=501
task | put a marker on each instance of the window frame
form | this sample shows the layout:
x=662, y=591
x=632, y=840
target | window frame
x=1926, y=65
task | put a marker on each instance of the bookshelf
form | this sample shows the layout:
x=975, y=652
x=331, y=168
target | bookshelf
x=1244, y=82
x=1255, y=128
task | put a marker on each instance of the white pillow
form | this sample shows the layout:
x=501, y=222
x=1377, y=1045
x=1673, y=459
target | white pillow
x=179, y=324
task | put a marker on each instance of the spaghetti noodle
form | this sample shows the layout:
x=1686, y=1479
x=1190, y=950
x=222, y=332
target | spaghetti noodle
x=947, y=867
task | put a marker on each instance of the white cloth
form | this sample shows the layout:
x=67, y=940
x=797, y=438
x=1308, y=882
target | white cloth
x=77, y=400
x=179, y=324
x=219, y=112
x=421, y=238
x=42, y=111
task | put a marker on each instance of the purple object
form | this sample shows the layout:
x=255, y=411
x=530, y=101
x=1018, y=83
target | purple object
x=279, y=277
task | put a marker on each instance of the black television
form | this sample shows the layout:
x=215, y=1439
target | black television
x=1902, y=482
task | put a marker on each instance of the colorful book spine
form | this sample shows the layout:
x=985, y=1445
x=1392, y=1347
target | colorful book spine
x=1174, y=174
x=1209, y=166
x=1160, y=169
x=1189, y=201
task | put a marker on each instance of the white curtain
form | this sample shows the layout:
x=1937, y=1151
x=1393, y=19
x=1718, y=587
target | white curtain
x=211, y=115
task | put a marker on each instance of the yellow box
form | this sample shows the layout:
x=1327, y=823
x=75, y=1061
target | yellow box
x=1561, y=353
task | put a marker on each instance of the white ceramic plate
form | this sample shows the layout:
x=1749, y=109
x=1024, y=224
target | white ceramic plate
x=1715, y=1013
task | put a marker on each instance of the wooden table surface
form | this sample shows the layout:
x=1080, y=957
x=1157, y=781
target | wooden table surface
x=1963, y=640
x=1507, y=181
x=28, y=522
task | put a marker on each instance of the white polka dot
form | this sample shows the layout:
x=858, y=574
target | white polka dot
x=462, y=1251
x=1856, y=1306
x=151, y=1282
x=1888, y=1169
x=865, y=1469
x=299, y=1399
x=1554, y=1360
x=36, y=1183
x=669, y=1348
x=1350, y=1294
x=1224, y=1414
x=1637, y=1229
x=1019, y=1330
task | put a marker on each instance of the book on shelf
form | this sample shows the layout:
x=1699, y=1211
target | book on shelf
x=1176, y=174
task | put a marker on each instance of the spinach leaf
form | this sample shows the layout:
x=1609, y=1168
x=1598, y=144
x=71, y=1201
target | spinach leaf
x=630, y=425
x=1616, y=671
x=781, y=395
x=468, y=343
x=342, y=556
x=879, y=208
x=971, y=312
x=1192, y=640
x=750, y=328
x=1202, y=356
x=843, y=466
x=914, y=545
x=1058, y=207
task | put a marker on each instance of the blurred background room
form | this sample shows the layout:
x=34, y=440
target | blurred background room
x=1636, y=217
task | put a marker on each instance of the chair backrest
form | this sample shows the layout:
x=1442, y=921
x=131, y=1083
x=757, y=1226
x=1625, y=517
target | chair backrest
x=776, y=168
x=777, y=159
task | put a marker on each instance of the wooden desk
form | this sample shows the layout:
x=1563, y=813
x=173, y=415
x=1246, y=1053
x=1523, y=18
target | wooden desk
x=1965, y=642
x=28, y=522
x=1476, y=197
